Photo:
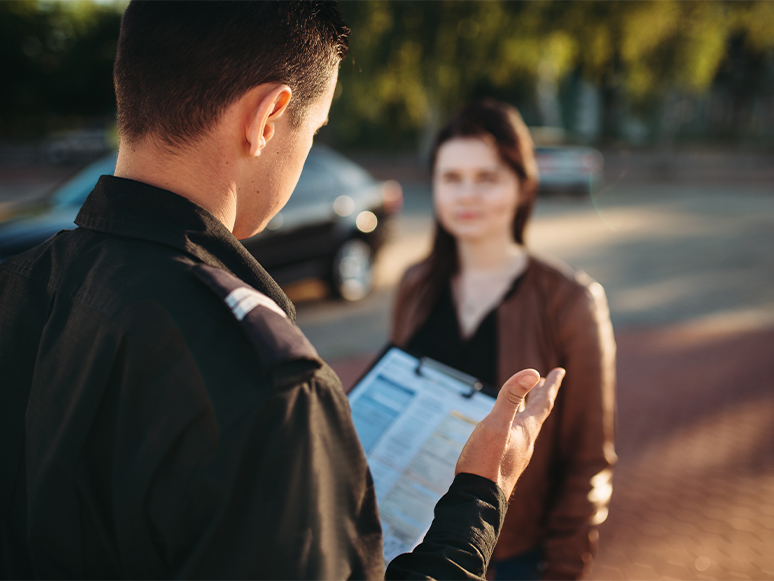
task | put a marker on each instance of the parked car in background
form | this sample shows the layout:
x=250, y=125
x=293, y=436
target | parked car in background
x=332, y=227
x=78, y=147
x=571, y=169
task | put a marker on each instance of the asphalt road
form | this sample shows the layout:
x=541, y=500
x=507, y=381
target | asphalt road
x=664, y=253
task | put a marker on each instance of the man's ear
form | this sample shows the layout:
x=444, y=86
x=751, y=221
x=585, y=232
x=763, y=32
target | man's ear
x=268, y=107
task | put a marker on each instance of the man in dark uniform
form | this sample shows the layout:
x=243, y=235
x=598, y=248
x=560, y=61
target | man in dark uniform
x=161, y=414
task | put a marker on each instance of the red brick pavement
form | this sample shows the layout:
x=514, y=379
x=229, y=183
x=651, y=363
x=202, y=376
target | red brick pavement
x=694, y=488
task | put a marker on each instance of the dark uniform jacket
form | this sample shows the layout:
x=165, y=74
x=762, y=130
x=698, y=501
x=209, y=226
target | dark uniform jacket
x=162, y=416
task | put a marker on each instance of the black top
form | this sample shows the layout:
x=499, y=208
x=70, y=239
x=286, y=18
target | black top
x=440, y=338
x=162, y=417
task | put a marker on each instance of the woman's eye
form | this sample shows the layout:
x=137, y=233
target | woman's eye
x=450, y=178
x=487, y=178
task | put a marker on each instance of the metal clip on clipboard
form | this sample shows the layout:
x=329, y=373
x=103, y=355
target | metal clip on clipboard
x=473, y=384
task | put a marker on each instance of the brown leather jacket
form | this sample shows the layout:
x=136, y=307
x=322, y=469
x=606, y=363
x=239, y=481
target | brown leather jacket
x=557, y=317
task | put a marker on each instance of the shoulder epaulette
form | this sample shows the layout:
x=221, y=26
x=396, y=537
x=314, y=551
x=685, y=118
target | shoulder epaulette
x=275, y=337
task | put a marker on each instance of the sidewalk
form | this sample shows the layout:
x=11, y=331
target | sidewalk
x=694, y=488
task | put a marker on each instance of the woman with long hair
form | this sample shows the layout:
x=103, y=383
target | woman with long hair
x=484, y=304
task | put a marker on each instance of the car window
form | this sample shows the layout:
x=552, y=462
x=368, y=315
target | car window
x=326, y=175
x=75, y=190
x=317, y=181
x=348, y=174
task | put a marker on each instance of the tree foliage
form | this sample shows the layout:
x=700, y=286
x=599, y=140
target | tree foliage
x=57, y=61
x=412, y=63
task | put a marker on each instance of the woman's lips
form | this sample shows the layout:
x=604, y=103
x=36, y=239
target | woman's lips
x=467, y=215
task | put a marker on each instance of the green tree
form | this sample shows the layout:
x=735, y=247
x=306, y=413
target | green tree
x=57, y=62
x=413, y=63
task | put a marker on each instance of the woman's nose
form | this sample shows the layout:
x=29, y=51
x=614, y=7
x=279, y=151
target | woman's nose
x=467, y=190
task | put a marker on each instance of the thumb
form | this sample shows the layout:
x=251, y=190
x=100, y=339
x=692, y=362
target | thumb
x=512, y=395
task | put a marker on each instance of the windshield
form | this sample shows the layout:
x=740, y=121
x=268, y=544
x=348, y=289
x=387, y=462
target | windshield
x=75, y=190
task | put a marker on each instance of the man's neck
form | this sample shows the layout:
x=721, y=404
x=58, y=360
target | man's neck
x=192, y=173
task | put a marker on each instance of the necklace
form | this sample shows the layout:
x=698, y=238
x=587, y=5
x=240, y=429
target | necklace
x=477, y=292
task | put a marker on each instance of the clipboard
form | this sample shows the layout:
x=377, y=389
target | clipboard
x=413, y=416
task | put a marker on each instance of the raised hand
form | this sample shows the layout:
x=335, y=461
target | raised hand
x=501, y=445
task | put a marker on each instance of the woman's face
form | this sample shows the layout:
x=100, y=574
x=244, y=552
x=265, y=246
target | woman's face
x=475, y=194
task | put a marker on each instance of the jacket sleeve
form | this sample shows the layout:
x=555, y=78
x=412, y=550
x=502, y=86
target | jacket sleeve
x=285, y=492
x=587, y=426
x=462, y=537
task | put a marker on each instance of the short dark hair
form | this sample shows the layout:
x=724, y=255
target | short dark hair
x=179, y=65
x=502, y=124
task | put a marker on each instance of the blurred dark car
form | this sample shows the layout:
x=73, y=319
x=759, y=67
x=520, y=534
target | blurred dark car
x=334, y=224
x=78, y=147
x=570, y=169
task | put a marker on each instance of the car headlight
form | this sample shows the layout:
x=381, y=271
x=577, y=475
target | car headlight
x=366, y=221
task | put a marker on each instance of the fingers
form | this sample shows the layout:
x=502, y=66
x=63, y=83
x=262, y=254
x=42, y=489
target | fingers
x=544, y=395
x=502, y=443
x=512, y=394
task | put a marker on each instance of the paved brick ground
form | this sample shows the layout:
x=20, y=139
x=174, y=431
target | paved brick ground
x=694, y=489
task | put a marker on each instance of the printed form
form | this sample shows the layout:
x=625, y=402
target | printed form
x=413, y=427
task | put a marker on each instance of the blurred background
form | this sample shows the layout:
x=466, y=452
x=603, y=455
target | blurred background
x=655, y=127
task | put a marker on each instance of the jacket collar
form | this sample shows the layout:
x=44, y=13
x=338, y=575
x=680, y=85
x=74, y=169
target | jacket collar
x=122, y=207
x=410, y=313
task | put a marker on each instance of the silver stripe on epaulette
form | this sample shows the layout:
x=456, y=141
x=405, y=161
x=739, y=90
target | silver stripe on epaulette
x=243, y=300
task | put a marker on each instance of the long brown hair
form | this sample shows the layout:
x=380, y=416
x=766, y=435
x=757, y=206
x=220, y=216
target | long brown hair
x=503, y=124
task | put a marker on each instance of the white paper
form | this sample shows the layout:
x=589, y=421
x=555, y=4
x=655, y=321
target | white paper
x=413, y=428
